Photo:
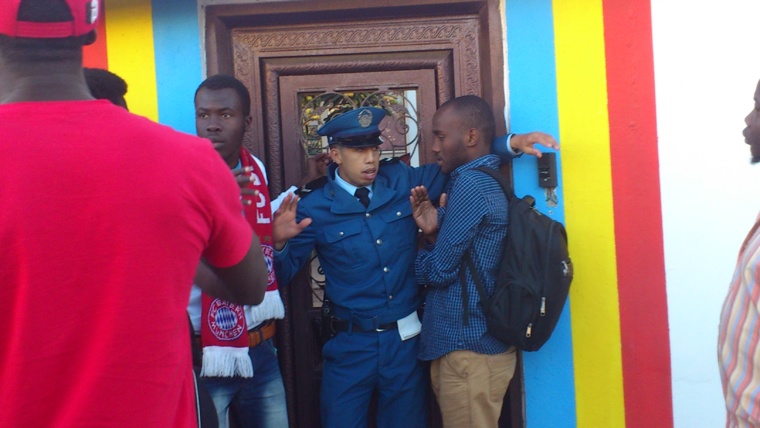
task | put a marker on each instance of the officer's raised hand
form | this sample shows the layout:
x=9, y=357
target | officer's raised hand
x=284, y=225
x=524, y=143
x=425, y=214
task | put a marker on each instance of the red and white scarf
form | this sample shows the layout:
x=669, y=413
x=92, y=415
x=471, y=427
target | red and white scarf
x=224, y=332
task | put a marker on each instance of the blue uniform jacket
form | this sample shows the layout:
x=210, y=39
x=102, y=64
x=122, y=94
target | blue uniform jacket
x=367, y=254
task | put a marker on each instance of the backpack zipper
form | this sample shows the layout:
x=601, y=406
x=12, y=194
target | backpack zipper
x=546, y=273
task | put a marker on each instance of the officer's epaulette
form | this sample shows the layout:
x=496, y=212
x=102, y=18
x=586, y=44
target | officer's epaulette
x=311, y=186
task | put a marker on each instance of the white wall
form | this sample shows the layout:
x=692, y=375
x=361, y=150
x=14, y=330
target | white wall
x=707, y=63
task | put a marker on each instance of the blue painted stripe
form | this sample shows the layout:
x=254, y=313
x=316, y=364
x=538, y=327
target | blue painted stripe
x=549, y=384
x=178, y=61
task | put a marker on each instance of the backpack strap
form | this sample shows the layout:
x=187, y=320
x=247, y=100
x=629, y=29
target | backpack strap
x=496, y=175
x=465, y=293
x=482, y=293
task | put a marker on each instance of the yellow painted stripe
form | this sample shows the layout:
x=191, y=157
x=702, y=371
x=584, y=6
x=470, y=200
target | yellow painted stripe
x=129, y=26
x=586, y=175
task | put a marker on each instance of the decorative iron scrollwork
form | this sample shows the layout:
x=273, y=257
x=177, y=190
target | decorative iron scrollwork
x=401, y=119
x=316, y=280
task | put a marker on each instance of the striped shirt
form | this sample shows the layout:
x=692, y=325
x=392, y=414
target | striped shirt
x=739, y=337
x=474, y=220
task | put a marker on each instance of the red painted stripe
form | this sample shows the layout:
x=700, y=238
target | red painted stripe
x=638, y=216
x=96, y=54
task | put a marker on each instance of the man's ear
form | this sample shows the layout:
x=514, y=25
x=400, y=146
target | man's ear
x=335, y=155
x=472, y=137
x=247, y=123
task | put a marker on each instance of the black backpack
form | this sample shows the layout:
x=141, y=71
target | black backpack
x=533, y=277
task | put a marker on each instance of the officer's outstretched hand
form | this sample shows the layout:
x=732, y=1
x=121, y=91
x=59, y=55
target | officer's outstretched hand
x=525, y=142
x=425, y=214
x=284, y=225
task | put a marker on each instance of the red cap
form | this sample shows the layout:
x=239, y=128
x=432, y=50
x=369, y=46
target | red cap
x=85, y=13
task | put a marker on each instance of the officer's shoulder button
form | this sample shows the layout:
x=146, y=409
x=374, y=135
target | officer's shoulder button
x=311, y=186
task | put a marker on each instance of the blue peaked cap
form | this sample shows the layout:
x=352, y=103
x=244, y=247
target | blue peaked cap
x=354, y=128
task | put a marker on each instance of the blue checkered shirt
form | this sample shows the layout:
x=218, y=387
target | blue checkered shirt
x=474, y=220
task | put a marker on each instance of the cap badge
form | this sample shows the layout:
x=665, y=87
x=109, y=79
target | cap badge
x=365, y=118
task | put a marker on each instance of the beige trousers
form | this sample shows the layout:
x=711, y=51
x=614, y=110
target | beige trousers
x=470, y=387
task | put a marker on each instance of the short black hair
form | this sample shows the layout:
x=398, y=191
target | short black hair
x=105, y=85
x=474, y=112
x=26, y=50
x=225, y=81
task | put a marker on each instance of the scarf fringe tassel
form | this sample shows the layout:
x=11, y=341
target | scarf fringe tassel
x=225, y=361
x=270, y=308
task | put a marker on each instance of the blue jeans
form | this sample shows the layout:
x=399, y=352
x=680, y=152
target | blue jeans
x=255, y=402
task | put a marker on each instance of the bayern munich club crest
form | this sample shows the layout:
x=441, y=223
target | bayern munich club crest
x=226, y=320
x=269, y=258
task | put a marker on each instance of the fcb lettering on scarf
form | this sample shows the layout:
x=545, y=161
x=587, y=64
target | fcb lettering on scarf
x=224, y=331
x=259, y=215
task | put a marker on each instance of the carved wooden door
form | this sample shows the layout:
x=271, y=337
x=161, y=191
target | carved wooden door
x=424, y=52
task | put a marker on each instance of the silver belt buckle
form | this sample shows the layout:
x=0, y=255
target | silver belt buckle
x=378, y=329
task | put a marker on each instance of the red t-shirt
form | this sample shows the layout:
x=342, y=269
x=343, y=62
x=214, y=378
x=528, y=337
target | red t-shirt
x=103, y=218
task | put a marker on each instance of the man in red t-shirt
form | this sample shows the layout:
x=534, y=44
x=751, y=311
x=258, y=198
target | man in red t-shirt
x=104, y=218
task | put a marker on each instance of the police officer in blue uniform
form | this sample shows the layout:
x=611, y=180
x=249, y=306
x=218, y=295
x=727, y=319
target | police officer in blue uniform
x=366, y=241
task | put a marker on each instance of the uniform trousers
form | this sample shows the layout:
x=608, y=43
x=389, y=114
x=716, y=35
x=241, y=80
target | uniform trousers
x=470, y=387
x=358, y=363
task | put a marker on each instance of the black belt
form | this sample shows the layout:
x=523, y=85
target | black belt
x=343, y=325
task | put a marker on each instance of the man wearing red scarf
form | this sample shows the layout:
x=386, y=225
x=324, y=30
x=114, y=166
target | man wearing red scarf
x=239, y=365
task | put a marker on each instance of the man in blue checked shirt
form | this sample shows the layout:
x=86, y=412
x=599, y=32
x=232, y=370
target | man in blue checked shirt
x=359, y=221
x=470, y=369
